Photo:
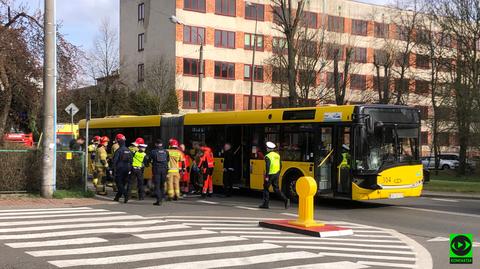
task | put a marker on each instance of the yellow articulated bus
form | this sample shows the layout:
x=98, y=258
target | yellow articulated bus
x=357, y=152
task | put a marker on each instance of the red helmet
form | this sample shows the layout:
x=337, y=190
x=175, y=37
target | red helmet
x=120, y=137
x=139, y=141
x=96, y=138
x=104, y=139
x=173, y=142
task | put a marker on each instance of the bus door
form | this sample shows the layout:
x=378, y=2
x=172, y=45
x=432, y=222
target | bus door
x=234, y=137
x=342, y=160
x=324, y=156
x=254, y=156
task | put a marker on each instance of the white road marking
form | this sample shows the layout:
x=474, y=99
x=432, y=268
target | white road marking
x=438, y=239
x=164, y=255
x=91, y=231
x=69, y=220
x=44, y=209
x=424, y=259
x=54, y=243
x=370, y=231
x=445, y=200
x=440, y=212
x=150, y=245
x=214, y=218
x=51, y=212
x=222, y=224
x=213, y=221
x=328, y=265
x=81, y=225
x=62, y=215
x=234, y=228
x=373, y=236
x=243, y=261
x=388, y=264
x=356, y=250
x=326, y=239
x=208, y=202
x=321, y=242
x=248, y=232
x=173, y=234
x=374, y=257
x=290, y=214
x=248, y=208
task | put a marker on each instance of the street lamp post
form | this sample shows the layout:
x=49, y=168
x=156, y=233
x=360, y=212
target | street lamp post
x=175, y=20
x=252, y=68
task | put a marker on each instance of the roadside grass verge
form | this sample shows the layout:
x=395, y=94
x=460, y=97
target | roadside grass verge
x=61, y=194
x=453, y=186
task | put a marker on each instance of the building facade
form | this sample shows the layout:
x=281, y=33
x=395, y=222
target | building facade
x=227, y=27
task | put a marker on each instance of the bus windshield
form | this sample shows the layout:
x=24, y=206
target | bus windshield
x=387, y=146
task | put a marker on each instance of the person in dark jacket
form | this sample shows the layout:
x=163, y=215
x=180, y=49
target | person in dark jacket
x=122, y=167
x=159, y=158
x=228, y=169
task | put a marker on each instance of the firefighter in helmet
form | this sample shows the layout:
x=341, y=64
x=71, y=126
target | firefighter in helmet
x=174, y=167
x=101, y=165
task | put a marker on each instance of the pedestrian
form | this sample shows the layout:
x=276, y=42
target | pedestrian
x=207, y=165
x=122, y=165
x=140, y=160
x=77, y=144
x=228, y=169
x=185, y=176
x=159, y=158
x=174, y=167
x=101, y=166
x=273, y=167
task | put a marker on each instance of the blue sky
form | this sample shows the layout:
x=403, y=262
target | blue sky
x=80, y=18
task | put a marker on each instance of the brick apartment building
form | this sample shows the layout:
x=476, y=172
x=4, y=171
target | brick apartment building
x=227, y=28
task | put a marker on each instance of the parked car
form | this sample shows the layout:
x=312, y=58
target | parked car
x=447, y=161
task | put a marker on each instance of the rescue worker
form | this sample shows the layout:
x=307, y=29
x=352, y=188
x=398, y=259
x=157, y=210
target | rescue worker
x=228, y=169
x=273, y=168
x=343, y=169
x=134, y=146
x=174, y=167
x=122, y=166
x=206, y=165
x=185, y=175
x=101, y=166
x=115, y=146
x=140, y=160
x=92, y=149
x=159, y=158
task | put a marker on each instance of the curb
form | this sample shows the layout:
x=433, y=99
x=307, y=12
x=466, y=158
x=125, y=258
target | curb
x=451, y=195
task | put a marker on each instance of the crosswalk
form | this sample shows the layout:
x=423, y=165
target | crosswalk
x=85, y=237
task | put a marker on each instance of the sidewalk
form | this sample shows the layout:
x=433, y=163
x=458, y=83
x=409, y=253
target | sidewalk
x=16, y=202
x=454, y=195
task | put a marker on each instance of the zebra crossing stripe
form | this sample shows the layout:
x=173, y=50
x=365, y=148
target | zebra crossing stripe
x=241, y=261
x=81, y=225
x=357, y=250
x=248, y=232
x=321, y=242
x=323, y=239
x=212, y=221
x=91, y=231
x=164, y=255
x=68, y=220
x=361, y=256
x=173, y=234
x=44, y=209
x=150, y=245
x=63, y=215
x=388, y=264
x=215, y=218
x=222, y=224
x=328, y=265
x=53, y=243
x=51, y=212
x=234, y=228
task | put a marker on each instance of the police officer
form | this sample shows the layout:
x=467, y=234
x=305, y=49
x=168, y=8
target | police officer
x=228, y=169
x=140, y=160
x=159, y=158
x=122, y=165
x=273, y=167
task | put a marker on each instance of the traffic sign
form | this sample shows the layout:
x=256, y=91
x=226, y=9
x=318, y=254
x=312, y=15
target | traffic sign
x=72, y=109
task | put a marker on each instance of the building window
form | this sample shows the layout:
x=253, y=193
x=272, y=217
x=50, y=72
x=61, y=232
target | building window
x=403, y=33
x=141, y=12
x=224, y=70
x=331, y=79
x=334, y=50
x=424, y=138
x=358, y=82
x=141, y=41
x=257, y=102
x=443, y=139
x=381, y=30
x=194, y=5
x=191, y=67
x=225, y=7
x=141, y=72
x=359, y=55
x=359, y=27
x=307, y=77
x=193, y=35
x=336, y=24
x=190, y=100
x=224, y=39
x=311, y=20
x=422, y=87
x=279, y=75
x=258, y=73
x=253, y=10
x=223, y=102
x=249, y=41
x=279, y=45
x=422, y=61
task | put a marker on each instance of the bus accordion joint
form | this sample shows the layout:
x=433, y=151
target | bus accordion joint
x=325, y=159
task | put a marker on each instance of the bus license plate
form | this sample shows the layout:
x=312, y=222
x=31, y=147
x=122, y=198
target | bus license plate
x=396, y=195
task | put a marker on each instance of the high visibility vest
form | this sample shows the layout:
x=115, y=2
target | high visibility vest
x=344, y=163
x=138, y=159
x=133, y=149
x=274, y=162
x=176, y=159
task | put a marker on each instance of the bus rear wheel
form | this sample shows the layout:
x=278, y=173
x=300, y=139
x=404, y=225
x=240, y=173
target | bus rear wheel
x=289, y=187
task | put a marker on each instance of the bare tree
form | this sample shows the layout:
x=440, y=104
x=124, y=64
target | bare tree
x=383, y=62
x=104, y=60
x=159, y=79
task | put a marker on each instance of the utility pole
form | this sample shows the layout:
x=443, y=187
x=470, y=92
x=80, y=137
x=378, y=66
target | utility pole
x=252, y=68
x=88, y=116
x=200, y=77
x=49, y=102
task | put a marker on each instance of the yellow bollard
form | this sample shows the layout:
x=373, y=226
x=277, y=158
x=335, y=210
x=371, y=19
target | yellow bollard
x=306, y=188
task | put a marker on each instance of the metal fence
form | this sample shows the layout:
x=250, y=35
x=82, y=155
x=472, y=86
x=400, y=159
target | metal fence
x=21, y=170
